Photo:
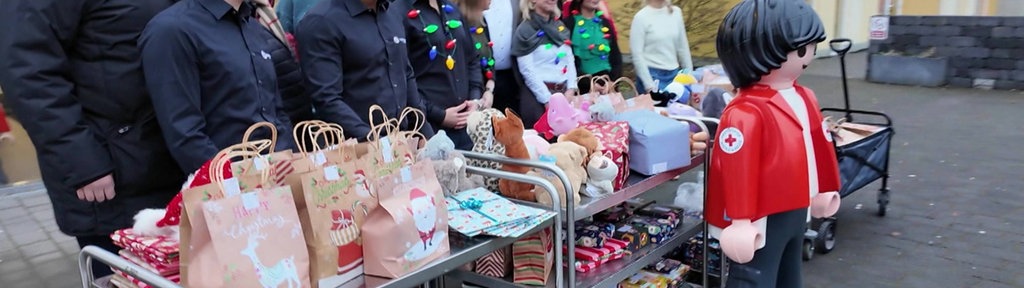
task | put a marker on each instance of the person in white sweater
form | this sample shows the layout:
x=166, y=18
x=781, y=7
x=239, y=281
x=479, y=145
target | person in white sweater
x=544, y=56
x=659, y=46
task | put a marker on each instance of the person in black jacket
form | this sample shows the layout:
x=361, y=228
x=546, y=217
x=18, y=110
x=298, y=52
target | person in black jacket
x=71, y=72
x=291, y=82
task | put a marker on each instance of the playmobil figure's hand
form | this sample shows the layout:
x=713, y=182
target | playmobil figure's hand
x=825, y=204
x=739, y=240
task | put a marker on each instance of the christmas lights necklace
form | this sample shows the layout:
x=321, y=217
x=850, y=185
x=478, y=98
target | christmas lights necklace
x=486, y=61
x=445, y=27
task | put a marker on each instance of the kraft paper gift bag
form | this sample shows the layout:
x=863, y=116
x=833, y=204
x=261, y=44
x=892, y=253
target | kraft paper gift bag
x=533, y=258
x=409, y=228
x=258, y=239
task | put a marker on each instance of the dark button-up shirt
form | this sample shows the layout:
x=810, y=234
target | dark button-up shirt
x=210, y=77
x=355, y=58
x=442, y=87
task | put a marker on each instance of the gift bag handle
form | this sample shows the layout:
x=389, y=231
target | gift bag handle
x=251, y=148
x=418, y=124
x=301, y=130
x=615, y=85
x=597, y=82
x=269, y=126
x=384, y=126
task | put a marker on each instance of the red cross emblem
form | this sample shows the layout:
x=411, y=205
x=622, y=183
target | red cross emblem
x=731, y=140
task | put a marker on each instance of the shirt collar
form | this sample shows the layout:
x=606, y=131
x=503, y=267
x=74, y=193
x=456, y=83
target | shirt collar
x=356, y=7
x=221, y=8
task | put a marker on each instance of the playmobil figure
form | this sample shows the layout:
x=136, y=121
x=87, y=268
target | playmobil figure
x=773, y=124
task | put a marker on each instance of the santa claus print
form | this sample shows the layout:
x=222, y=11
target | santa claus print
x=424, y=214
x=362, y=186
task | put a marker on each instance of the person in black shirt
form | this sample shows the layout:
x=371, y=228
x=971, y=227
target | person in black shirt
x=446, y=64
x=354, y=54
x=211, y=76
x=72, y=77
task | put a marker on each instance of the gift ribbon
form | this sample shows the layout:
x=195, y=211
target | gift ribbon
x=474, y=205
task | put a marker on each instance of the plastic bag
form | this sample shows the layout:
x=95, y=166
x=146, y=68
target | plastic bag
x=690, y=196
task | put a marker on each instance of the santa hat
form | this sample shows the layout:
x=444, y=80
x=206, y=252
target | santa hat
x=172, y=216
x=416, y=194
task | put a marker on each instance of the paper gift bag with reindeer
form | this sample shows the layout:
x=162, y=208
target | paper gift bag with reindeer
x=258, y=238
x=409, y=229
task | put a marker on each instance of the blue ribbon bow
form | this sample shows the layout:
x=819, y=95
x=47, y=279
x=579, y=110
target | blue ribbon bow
x=474, y=205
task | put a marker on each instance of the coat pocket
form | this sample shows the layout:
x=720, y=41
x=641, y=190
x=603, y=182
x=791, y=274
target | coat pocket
x=142, y=162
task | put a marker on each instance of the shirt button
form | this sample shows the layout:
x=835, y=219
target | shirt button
x=260, y=82
x=394, y=85
x=264, y=109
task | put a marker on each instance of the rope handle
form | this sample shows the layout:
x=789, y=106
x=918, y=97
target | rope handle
x=268, y=125
x=251, y=149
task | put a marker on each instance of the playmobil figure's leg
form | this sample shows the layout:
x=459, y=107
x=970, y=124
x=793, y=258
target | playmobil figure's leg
x=764, y=270
x=789, y=266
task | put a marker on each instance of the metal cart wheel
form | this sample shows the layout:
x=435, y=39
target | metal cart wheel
x=883, y=201
x=808, y=249
x=826, y=240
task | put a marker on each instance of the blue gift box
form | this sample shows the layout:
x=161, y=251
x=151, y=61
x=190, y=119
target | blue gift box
x=656, y=143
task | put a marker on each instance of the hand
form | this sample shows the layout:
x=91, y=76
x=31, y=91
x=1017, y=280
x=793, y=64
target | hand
x=472, y=105
x=825, y=204
x=486, y=100
x=454, y=117
x=489, y=86
x=6, y=136
x=739, y=240
x=98, y=191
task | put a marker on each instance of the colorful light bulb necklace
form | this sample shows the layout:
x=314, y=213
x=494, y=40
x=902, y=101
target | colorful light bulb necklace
x=605, y=49
x=486, y=64
x=449, y=44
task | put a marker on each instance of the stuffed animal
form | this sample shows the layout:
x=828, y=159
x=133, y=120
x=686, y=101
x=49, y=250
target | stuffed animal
x=571, y=157
x=536, y=144
x=509, y=132
x=601, y=170
x=449, y=165
x=584, y=138
x=602, y=111
x=481, y=131
x=562, y=117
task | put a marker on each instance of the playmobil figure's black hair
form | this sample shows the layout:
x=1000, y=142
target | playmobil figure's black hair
x=757, y=35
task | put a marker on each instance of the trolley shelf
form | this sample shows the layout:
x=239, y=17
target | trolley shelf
x=475, y=248
x=636, y=185
x=613, y=272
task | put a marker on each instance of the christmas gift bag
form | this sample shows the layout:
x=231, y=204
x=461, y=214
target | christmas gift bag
x=656, y=143
x=614, y=138
x=533, y=258
x=409, y=228
x=390, y=148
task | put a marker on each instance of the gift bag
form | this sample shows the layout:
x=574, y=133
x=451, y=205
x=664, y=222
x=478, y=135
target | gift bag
x=389, y=147
x=614, y=138
x=495, y=264
x=533, y=258
x=199, y=264
x=409, y=228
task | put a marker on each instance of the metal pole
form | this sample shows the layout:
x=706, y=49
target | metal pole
x=846, y=91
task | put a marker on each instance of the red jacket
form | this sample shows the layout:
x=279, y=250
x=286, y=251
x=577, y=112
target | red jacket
x=759, y=166
x=4, y=128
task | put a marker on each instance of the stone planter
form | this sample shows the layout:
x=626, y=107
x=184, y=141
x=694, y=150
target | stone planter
x=907, y=70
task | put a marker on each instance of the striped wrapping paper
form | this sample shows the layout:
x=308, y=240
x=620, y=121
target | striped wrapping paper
x=589, y=258
x=161, y=249
x=532, y=258
x=176, y=278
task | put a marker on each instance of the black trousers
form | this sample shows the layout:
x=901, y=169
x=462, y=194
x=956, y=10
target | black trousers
x=103, y=241
x=778, y=263
x=506, y=90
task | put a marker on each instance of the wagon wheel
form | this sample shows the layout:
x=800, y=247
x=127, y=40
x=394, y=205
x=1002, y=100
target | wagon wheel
x=883, y=201
x=826, y=240
x=808, y=249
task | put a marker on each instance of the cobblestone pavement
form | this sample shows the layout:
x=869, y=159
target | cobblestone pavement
x=954, y=220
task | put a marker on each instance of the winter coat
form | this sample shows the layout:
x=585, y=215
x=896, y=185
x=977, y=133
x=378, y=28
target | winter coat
x=290, y=79
x=72, y=72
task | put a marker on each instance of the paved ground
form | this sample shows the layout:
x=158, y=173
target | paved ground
x=953, y=222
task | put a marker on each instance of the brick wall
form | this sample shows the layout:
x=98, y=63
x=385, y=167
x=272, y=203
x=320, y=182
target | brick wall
x=986, y=48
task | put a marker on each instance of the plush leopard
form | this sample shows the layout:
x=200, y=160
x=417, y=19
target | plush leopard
x=481, y=132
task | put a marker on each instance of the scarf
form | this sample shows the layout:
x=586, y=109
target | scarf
x=538, y=31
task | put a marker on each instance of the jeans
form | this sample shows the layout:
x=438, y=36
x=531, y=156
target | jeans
x=663, y=77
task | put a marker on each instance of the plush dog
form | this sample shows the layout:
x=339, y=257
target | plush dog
x=584, y=138
x=509, y=132
x=601, y=170
x=571, y=157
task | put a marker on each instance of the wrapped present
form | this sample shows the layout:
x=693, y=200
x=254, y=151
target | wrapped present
x=135, y=282
x=614, y=137
x=666, y=266
x=614, y=215
x=158, y=268
x=635, y=239
x=587, y=266
x=160, y=249
x=644, y=279
x=670, y=213
x=658, y=229
x=593, y=234
x=589, y=258
x=692, y=254
x=656, y=143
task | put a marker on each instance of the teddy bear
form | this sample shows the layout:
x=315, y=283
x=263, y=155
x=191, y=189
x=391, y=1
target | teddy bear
x=449, y=165
x=601, y=170
x=571, y=158
x=584, y=138
x=509, y=132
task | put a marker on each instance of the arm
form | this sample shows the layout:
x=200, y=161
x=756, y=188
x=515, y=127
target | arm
x=824, y=151
x=172, y=78
x=741, y=189
x=636, y=47
x=615, y=56
x=570, y=72
x=321, y=56
x=415, y=100
x=34, y=75
x=683, y=49
x=529, y=72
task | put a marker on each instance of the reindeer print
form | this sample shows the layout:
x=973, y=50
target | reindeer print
x=272, y=277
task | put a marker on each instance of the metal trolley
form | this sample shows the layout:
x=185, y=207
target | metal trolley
x=436, y=273
x=860, y=162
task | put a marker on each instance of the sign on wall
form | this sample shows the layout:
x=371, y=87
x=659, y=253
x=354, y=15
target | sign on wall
x=879, y=28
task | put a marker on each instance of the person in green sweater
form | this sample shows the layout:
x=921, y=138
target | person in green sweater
x=594, y=41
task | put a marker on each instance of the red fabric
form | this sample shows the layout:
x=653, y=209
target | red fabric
x=614, y=137
x=176, y=278
x=161, y=249
x=543, y=128
x=768, y=128
x=172, y=216
x=162, y=269
x=4, y=128
x=588, y=259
